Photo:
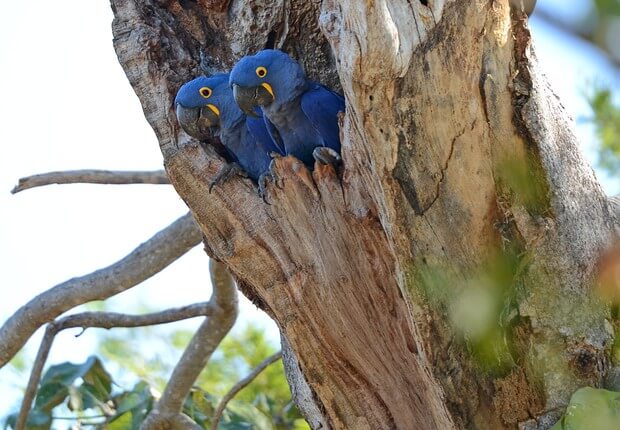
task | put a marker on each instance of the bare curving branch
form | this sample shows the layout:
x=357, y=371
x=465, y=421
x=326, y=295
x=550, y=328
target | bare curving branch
x=156, y=177
x=552, y=19
x=217, y=415
x=105, y=320
x=143, y=262
x=224, y=305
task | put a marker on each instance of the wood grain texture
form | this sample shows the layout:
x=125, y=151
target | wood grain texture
x=439, y=97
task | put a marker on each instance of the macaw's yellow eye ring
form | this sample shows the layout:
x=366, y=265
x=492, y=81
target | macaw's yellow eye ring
x=205, y=92
x=261, y=72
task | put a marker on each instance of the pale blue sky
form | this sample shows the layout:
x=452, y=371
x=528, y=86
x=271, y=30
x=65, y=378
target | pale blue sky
x=66, y=104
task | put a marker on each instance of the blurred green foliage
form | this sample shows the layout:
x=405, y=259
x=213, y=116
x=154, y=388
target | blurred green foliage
x=88, y=394
x=606, y=120
x=482, y=310
x=591, y=409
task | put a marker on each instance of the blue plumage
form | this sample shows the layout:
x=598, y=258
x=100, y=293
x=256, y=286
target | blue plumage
x=301, y=114
x=210, y=100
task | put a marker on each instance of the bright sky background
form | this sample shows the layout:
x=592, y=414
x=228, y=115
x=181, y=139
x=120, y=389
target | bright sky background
x=66, y=104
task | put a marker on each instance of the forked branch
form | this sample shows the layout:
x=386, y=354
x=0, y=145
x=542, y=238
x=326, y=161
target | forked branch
x=143, y=262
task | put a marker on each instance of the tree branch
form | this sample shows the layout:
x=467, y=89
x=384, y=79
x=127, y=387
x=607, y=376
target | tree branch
x=91, y=177
x=203, y=344
x=143, y=262
x=217, y=415
x=551, y=19
x=105, y=320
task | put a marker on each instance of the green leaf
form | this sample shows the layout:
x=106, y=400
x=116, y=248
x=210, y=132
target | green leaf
x=64, y=374
x=591, y=409
x=135, y=404
x=242, y=414
x=300, y=424
x=56, y=384
x=199, y=406
x=123, y=422
x=51, y=395
x=98, y=380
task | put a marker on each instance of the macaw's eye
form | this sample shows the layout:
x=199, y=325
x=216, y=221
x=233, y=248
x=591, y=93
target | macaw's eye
x=205, y=92
x=261, y=72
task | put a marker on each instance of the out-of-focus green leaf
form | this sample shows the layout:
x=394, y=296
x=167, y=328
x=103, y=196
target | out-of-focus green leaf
x=98, y=380
x=122, y=422
x=57, y=381
x=19, y=362
x=200, y=406
x=51, y=395
x=591, y=409
x=241, y=413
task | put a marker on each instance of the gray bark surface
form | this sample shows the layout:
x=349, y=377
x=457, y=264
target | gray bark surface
x=439, y=97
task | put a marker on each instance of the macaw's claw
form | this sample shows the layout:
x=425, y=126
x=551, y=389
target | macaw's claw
x=274, y=174
x=262, y=186
x=226, y=172
x=274, y=154
x=325, y=155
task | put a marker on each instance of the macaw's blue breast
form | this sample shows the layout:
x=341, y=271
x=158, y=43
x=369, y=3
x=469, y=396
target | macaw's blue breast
x=309, y=121
x=250, y=144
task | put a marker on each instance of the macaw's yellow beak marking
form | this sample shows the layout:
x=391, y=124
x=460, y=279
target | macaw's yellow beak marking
x=266, y=86
x=214, y=109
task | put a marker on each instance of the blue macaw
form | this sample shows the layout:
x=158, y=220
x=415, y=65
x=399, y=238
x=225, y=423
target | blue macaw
x=301, y=115
x=207, y=103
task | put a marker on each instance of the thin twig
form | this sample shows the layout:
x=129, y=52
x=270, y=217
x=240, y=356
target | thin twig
x=168, y=411
x=217, y=415
x=105, y=320
x=35, y=376
x=143, y=262
x=155, y=177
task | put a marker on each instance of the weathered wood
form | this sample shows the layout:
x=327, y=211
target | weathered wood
x=443, y=102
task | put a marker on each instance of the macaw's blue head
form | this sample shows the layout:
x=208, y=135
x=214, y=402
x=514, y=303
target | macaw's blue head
x=268, y=78
x=206, y=102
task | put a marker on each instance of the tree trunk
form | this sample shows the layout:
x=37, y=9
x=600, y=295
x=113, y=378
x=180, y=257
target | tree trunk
x=457, y=158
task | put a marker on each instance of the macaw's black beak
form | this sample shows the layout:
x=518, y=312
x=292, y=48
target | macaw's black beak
x=197, y=121
x=249, y=97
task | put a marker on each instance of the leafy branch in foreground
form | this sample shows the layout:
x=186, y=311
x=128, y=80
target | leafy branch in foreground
x=84, y=393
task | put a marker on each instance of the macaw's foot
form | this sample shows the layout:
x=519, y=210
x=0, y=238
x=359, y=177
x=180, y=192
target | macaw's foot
x=262, y=185
x=325, y=155
x=270, y=175
x=273, y=172
x=226, y=172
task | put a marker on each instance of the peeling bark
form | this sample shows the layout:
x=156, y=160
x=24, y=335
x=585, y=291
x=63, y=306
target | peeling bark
x=439, y=99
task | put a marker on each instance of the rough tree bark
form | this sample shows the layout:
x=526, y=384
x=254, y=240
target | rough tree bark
x=440, y=96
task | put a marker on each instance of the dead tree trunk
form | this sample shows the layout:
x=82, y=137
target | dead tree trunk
x=446, y=111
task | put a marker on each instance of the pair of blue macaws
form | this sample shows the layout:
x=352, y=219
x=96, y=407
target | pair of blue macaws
x=264, y=108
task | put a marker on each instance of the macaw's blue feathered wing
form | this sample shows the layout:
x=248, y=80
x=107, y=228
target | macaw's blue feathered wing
x=322, y=105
